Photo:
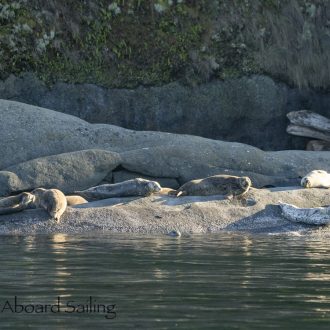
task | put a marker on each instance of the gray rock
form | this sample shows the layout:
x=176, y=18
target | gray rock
x=250, y=110
x=108, y=178
x=28, y=132
x=120, y=176
x=185, y=161
x=67, y=172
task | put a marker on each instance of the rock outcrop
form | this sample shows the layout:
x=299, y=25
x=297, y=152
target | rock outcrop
x=28, y=132
x=249, y=110
x=68, y=171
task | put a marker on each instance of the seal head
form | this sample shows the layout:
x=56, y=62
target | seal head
x=316, y=179
x=27, y=198
x=305, y=182
x=51, y=200
x=154, y=187
x=245, y=183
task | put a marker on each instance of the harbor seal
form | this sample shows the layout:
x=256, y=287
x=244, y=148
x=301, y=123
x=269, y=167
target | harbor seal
x=311, y=216
x=174, y=233
x=51, y=200
x=227, y=185
x=134, y=187
x=316, y=179
x=16, y=203
x=75, y=200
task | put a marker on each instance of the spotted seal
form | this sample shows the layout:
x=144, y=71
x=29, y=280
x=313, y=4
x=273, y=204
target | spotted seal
x=311, y=216
x=134, y=187
x=51, y=200
x=316, y=179
x=16, y=203
x=227, y=185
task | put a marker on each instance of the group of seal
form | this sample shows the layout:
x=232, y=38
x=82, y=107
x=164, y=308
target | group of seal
x=314, y=215
x=227, y=185
x=51, y=200
x=54, y=202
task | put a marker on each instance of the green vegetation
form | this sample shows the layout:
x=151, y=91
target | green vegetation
x=125, y=43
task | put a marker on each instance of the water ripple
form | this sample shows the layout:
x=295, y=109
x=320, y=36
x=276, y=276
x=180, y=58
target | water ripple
x=197, y=282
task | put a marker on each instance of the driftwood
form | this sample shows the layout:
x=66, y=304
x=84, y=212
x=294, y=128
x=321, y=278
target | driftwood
x=311, y=216
x=308, y=132
x=309, y=119
x=318, y=145
x=310, y=124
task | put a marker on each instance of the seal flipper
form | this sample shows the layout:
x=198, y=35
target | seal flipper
x=167, y=191
x=181, y=193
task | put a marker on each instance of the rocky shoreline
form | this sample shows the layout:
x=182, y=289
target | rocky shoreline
x=45, y=148
x=161, y=214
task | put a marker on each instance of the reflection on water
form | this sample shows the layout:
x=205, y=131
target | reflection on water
x=199, y=282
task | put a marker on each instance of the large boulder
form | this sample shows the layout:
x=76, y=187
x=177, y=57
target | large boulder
x=28, y=132
x=190, y=160
x=68, y=172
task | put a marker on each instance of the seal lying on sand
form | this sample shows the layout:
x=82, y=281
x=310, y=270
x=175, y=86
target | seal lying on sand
x=316, y=179
x=51, y=200
x=16, y=203
x=134, y=187
x=230, y=186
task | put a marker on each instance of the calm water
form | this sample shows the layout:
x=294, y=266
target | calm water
x=199, y=282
